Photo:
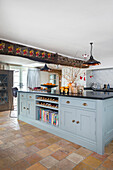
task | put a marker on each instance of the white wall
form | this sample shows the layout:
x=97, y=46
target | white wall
x=44, y=77
x=100, y=77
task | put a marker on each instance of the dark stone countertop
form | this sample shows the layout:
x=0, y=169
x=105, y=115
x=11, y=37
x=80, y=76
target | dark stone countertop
x=87, y=94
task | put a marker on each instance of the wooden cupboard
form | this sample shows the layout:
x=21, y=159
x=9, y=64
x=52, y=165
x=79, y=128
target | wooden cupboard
x=6, y=83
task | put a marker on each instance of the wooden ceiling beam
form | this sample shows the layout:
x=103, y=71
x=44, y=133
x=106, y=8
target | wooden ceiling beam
x=13, y=49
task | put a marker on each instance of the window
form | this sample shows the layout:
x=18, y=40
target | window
x=52, y=78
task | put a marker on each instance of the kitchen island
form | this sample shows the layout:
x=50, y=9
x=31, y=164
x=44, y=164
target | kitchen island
x=85, y=119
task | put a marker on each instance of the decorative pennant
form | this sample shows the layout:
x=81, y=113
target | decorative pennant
x=49, y=55
x=37, y=53
x=43, y=55
x=25, y=52
x=2, y=46
x=31, y=53
x=81, y=77
x=18, y=50
x=10, y=49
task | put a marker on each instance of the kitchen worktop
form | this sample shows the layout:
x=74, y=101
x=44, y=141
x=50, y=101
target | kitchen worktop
x=87, y=94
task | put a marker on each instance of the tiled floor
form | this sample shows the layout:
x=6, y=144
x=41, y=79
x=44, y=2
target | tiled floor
x=23, y=146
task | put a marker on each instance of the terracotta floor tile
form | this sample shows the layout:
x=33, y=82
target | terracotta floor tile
x=68, y=149
x=108, y=164
x=33, y=158
x=18, y=141
x=18, y=156
x=35, y=130
x=92, y=161
x=48, y=162
x=40, y=139
x=100, y=157
x=109, y=149
x=41, y=145
x=52, y=140
x=28, y=137
x=44, y=152
x=48, y=135
x=54, y=147
x=28, y=144
x=75, y=145
x=59, y=155
x=33, y=148
x=82, y=166
x=111, y=157
x=63, y=143
x=20, y=165
x=1, y=142
x=3, y=153
x=102, y=168
x=6, y=145
x=37, y=166
x=64, y=164
x=83, y=152
x=6, y=162
x=75, y=158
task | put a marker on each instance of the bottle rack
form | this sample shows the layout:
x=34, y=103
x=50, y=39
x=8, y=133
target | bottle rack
x=47, y=110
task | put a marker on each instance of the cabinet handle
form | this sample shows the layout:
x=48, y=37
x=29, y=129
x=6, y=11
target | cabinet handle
x=68, y=102
x=30, y=97
x=27, y=108
x=77, y=122
x=24, y=108
x=73, y=121
x=85, y=104
x=22, y=96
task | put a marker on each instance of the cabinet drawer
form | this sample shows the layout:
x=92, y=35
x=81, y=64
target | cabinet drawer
x=22, y=95
x=30, y=96
x=78, y=103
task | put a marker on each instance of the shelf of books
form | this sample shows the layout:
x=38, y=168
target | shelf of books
x=48, y=116
x=47, y=109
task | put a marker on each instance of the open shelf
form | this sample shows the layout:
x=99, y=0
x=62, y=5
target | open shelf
x=47, y=101
x=47, y=107
x=47, y=116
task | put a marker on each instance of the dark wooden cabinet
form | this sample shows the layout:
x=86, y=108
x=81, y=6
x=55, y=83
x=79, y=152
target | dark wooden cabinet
x=6, y=83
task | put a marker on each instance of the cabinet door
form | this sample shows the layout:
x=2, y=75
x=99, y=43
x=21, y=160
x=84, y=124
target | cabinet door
x=23, y=107
x=85, y=124
x=30, y=109
x=67, y=119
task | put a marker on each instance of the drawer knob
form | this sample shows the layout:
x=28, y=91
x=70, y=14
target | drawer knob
x=85, y=104
x=24, y=108
x=30, y=97
x=68, y=102
x=77, y=122
x=27, y=108
x=73, y=121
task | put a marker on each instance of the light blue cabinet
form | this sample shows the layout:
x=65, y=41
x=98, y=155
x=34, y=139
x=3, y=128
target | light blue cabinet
x=79, y=122
x=30, y=109
x=87, y=122
x=27, y=105
x=23, y=107
x=67, y=119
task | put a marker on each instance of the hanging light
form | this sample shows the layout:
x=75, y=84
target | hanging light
x=91, y=61
x=45, y=68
